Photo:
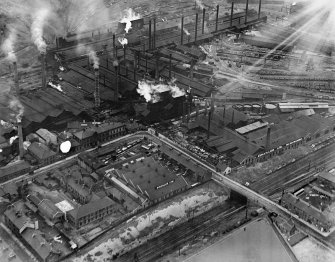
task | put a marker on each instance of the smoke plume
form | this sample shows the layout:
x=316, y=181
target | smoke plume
x=17, y=107
x=8, y=46
x=150, y=89
x=94, y=59
x=123, y=41
x=199, y=4
x=130, y=16
x=37, y=29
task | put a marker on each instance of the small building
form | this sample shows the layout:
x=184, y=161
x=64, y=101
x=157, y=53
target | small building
x=326, y=176
x=17, y=220
x=47, y=136
x=79, y=191
x=47, y=209
x=91, y=212
x=93, y=135
x=42, y=153
x=14, y=170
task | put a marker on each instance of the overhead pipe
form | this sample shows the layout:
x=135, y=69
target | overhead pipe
x=203, y=20
x=196, y=27
x=246, y=12
x=182, y=31
x=217, y=18
x=259, y=9
x=231, y=13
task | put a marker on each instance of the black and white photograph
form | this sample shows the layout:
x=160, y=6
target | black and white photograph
x=167, y=130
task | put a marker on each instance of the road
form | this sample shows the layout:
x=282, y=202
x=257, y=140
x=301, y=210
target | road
x=59, y=163
x=246, y=191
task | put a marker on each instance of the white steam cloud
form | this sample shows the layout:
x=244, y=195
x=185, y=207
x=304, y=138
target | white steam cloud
x=37, y=25
x=17, y=107
x=94, y=59
x=150, y=90
x=8, y=46
x=123, y=41
x=130, y=16
x=12, y=139
x=199, y=4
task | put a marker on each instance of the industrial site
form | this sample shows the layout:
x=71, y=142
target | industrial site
x=165, y=131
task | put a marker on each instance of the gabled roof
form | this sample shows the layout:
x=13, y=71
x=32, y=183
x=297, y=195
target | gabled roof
x=91, y=207
x=41, y=150
x=14, y=167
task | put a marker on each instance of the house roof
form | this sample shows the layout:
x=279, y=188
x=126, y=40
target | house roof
x=91, y=207
x=304, y=206
x=40, y=150
x=16, y=215
x=88, y=132
x=45, y=206
x=37, y=242
x=80, y=189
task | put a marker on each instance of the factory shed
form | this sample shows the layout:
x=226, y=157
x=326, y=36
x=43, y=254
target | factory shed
x=49, y=137
x=42, y=153
x=328, y=177
x=250, y=128
x=291, y=107
x=91, y=212
x=13, y=170
x=47, y=208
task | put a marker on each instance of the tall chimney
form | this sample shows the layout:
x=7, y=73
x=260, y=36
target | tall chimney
x=156, y=67
x=203, y=20
x=182, y=31
x=114, y=52
x=217, y=18
x=150, y=35
x=232, y=116
x=170, y=66
x=259, y=9
x=246, y=12
x=20, y=134
x=16, y=78
x=231, y=13
x=44, y=77
x=196, y=27
x=268, y=138
x=154, y=37
x=97, y=88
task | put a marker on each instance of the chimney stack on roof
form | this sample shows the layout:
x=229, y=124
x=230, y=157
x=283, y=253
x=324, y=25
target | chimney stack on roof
x=97, y=88
x=20, y=134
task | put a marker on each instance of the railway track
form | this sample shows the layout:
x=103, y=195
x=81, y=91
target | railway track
x=171, y=240
x=285, y=178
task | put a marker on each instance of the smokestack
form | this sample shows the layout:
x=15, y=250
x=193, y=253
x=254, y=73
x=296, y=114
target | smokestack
x=182, y=31
x=196, y=27
x=20, y=134
x=224, y=112
x=16, y=78
x=217, y=18
x=246, y=12
x=268, y=137
x=156, y=69
x=170, y=66
x=259, y=9
x=203, y=20
x=44, y=77
x=116, y=95
x=231, y=13
x=150, y=35
x=97, y=88
x=232, y=116
x=154, y=37
x=114, y=45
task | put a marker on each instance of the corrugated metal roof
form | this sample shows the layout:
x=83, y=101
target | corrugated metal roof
x=251, y=127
